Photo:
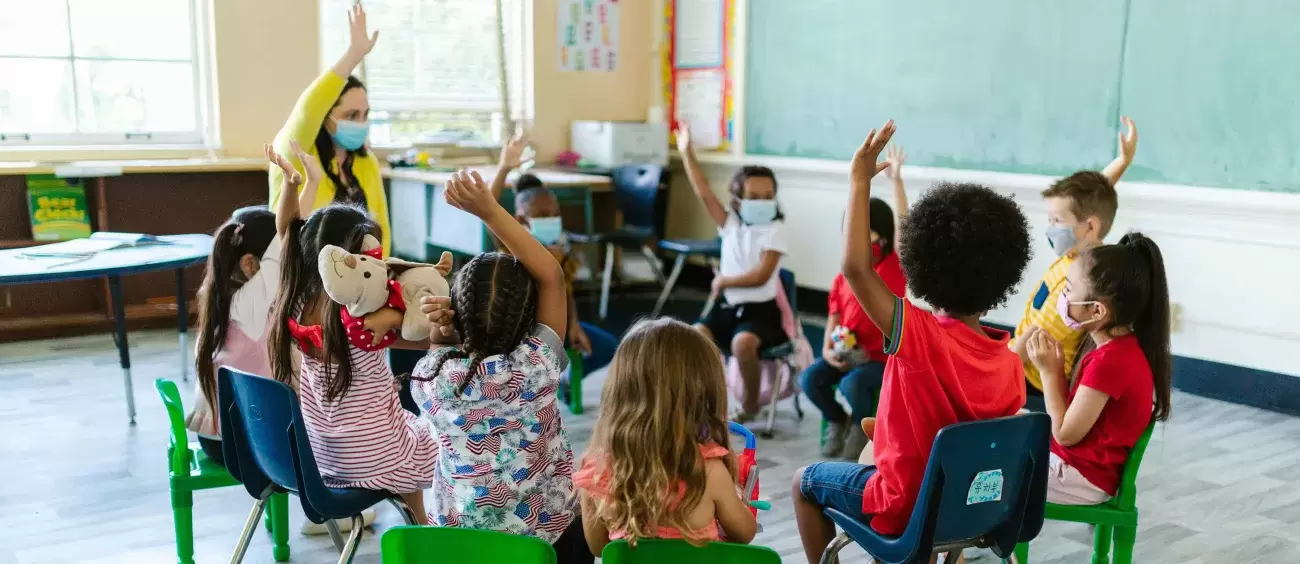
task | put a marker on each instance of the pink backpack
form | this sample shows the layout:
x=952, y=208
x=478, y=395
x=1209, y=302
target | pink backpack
x=786, y=371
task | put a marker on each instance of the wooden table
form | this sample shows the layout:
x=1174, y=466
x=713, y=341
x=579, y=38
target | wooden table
x=424, y=224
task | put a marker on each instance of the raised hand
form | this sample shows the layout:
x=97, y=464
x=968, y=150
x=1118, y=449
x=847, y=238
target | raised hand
x=291, y=175
x=437, y=309
x=865, y=164
x=513, y=152
x=895, y=157
x=310, y=164
x=360, y=42
x=467, y=191
x=1128, y=139
x=683, y=138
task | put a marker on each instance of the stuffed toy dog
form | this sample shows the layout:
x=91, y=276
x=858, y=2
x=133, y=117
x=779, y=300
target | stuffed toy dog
x=362, y=284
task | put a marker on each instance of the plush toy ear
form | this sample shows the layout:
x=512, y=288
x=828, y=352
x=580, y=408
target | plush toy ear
x=369, y=242
x=444, y=264
x=398, y=266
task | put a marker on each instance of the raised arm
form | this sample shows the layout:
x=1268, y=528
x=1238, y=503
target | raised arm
x=699, y=182
x=875, y=297
x=314, y=105
x=511, y=157
x=286, y=210
x=895, y=158
x=467, y=191
x=1128, y=146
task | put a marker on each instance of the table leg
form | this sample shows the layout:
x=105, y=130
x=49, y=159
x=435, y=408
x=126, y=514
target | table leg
x=182, y=323
x=123, y=348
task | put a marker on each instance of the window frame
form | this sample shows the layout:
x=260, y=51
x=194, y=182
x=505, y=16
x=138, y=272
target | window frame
x=203, y=137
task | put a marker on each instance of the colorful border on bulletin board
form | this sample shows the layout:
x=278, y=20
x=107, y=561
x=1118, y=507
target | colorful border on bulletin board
x=671, y=71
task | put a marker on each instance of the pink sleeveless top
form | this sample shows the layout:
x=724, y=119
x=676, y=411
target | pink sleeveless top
x=594, y=479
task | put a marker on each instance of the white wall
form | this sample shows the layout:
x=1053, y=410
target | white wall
x=1233, y=257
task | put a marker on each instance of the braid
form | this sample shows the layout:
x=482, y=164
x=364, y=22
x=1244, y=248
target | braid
x=495, y=300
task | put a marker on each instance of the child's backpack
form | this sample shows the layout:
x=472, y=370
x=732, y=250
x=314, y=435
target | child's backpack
x=800, y=357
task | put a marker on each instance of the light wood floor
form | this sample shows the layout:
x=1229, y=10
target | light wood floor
x=1221, y=483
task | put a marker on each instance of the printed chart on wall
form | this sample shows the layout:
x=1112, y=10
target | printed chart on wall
x=588, y=35
x=698, y=63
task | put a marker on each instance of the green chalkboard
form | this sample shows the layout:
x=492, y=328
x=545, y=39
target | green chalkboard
x=1034, y=87
x=1215, y=88
x=1006, y=85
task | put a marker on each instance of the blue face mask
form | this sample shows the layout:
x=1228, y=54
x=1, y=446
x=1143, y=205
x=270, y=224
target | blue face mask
x=351, y=135
x=758, y=212
x=547, y=230
x=1061, y=238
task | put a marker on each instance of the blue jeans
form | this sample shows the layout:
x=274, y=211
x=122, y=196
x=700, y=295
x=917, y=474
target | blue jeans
x=858, y=385
x=836, y=484
x=603, y=345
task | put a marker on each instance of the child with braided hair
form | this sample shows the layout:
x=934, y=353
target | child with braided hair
x=488, y=387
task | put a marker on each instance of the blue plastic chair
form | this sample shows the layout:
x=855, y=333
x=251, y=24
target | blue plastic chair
x=946, y=519
x=684, y=249
x=264, y=436
x=638, y=190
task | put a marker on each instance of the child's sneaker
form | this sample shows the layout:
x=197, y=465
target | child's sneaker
x=833, y=439
x=345, y=525
x=854, y=441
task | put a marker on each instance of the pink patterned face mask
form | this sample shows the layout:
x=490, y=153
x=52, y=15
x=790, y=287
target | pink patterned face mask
x=1063, y=309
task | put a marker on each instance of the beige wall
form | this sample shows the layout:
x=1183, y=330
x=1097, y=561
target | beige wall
x=267, y=53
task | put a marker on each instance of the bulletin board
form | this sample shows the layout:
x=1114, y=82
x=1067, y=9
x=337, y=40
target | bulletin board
x=697, y=69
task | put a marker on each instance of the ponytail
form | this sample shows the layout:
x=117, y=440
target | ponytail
x=248, y=232
x=1131, y=276
x=1152, y=325
x=279, y=342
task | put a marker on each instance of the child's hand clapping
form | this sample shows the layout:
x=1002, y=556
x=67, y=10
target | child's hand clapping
x=291, y=175
x=1045, y=352
x=467, y=191
x=310, y=164
x=438, y=310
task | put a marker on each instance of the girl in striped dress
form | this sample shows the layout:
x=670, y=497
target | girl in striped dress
x=361, y=436
x=504, y=459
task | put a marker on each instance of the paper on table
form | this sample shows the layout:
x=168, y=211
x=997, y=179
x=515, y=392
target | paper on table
x=697, y=25
x=699, y=104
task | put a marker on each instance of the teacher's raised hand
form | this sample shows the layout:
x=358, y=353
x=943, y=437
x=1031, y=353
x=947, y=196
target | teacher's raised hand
x=361, y=42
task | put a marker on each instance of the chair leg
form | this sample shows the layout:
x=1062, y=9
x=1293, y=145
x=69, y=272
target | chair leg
x=655, y=267
x=678, y=264
x=183, y=519
x=1101, y=544
x=832, y=553
x=408, y=516
x=952, y=557
x=254, y=516
x=777, y=386
x=576, y=373
x=605, y=279
x=335, y=535
x=278, y=510
x=354, y=540
x=1021, y=555
x=1125, y=539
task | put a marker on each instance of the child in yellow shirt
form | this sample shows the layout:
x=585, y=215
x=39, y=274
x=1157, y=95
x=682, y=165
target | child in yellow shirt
x=1080, y=211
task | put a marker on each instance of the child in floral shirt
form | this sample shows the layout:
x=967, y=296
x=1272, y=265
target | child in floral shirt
x=504, y=459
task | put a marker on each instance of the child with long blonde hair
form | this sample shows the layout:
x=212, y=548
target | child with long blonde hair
x=659, y=465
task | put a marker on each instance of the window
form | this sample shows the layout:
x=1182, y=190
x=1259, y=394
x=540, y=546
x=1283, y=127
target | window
x=95, y=72
x=436, y=68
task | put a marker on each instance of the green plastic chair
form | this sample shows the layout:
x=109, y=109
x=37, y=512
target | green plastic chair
x=657, y=551
x=576, y=373
x=189, y=470
x=1116, y=519
x=419, y=545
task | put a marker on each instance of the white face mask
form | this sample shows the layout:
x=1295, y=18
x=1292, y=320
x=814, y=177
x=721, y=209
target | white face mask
x=758, y=212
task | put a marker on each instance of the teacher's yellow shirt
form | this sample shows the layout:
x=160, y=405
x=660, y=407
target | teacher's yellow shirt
x=303, y=126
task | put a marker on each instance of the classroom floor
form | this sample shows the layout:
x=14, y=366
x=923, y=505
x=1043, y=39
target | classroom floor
x=1221, y=482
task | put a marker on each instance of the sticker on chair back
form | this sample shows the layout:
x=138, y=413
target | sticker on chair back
x=986, y=487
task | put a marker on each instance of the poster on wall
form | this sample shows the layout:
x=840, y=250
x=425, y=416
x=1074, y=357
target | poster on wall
x=697, y=68
x=587, y=35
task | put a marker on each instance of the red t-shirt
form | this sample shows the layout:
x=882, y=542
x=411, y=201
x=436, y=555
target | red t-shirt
x=1119, y=370
x=940, y=372
x=843, y=303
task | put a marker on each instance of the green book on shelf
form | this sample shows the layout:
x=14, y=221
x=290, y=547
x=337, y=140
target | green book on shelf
x=58, y=208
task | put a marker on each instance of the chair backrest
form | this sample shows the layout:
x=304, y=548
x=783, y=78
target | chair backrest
x=985, y=479
x=1127, y=495
x=656, y=551
x=179, y=451
x=787, y=284
x=416, y=544
x=262, y=423
x=636, y=187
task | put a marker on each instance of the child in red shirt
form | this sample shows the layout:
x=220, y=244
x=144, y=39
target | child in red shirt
x=1119, y=295
x=965, y=249
x=856, y=365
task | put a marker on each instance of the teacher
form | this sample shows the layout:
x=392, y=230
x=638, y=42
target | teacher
x=330, y=121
